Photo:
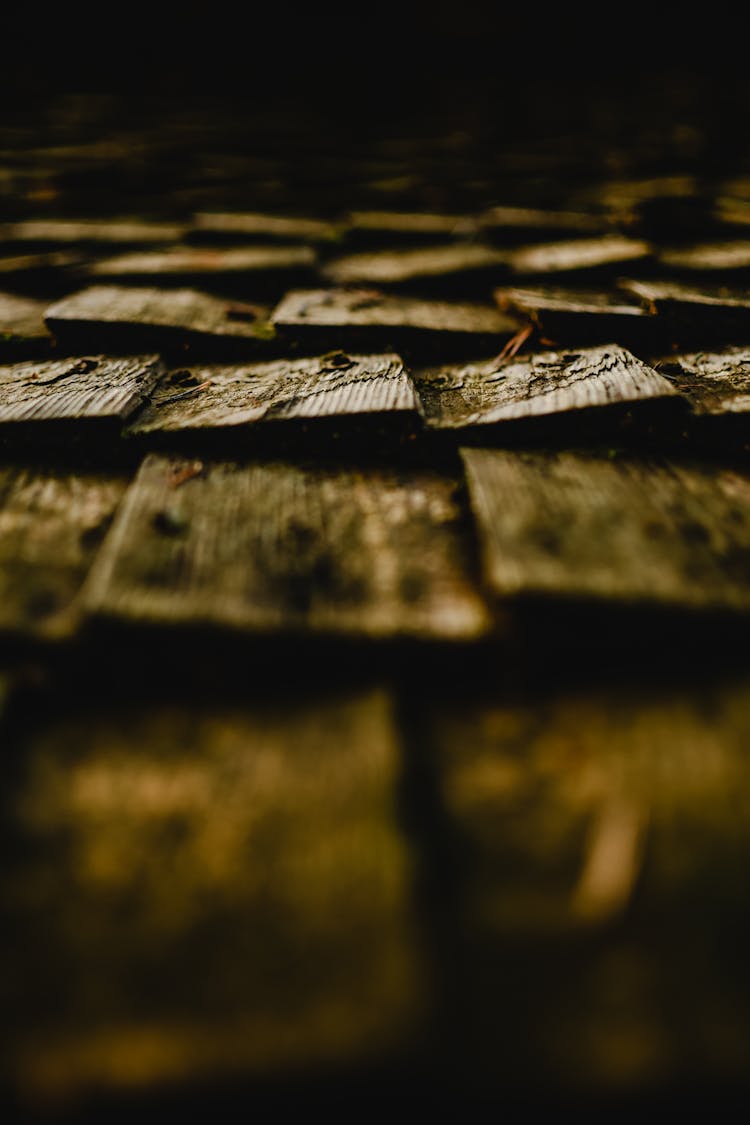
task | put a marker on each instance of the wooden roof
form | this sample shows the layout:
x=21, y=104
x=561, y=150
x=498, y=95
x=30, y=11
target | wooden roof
x=375, y=572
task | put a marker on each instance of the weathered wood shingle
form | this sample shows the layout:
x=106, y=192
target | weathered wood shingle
x=568, y=526
x=75, y=393
x=279, y=548
x=367, y=319
x=546, y=383
x=135, y=319
x=212, y=399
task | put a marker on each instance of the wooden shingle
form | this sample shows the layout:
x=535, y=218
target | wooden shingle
x=573, y=527
x=369, y=320
x=279, y=548
x=542, y=384
x=127, y=319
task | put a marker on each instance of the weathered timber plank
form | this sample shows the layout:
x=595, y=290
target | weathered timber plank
x=89, y=232
x=74, y=394
x=602, y=837
x=579, y=256
x=366, y=319
x=543, y=384
x=267, y=269
x=220, y=227
x=696, y=314
x=579, y=316
x=572, y=527
x=22, y=328
x=436, y=265
x=51, y=524
x=206, y=891
x=275, y=547
x=332, y=386
x=715, y=383
x=134, y=319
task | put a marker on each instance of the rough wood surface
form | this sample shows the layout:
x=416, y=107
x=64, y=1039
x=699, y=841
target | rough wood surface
x=280, y=548
x=22, y=328
x=574, y=527
x=603, y=835
x=579, y=316
x=542, y=384
x=207, y=890
x=51, y=523
x=220, y=227
x=366, y=318
x=579, y=255
x=335, y=385
x=76, y=391
x=715, y=383
x=444, y=263
x=119, y=317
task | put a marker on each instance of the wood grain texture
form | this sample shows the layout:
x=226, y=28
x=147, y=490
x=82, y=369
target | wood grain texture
x=572, y=527
x=277, y=548
x=207, y=891
x=51, y=523
x=332, y=386
x=546, y=383
x=369, y=319
x=715, y=383
x=77, y=391
x=120, y=317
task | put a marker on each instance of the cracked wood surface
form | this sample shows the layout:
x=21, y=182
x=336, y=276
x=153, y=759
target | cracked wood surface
x=714, y=383
x=75, y=392
x=336, y=385
x=207, y=889
x=481, y=394
x=279, y=548
x=569, y=526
